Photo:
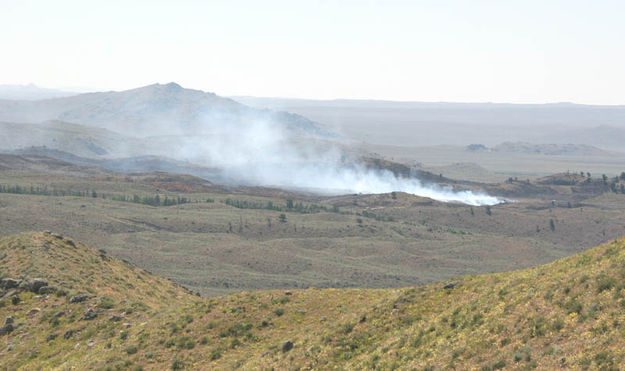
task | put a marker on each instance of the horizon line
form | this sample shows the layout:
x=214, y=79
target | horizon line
x=79, y=90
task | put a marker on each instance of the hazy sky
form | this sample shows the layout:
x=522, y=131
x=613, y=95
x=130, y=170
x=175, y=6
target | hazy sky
x=512, y=51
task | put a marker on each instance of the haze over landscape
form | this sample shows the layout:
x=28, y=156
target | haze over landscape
x=319, y=185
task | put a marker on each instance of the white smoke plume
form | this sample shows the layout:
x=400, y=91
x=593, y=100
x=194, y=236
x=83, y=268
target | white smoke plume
x=261, y=153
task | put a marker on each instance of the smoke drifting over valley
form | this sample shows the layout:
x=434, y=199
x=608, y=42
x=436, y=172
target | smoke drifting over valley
x=260, y=153
x=244, y=145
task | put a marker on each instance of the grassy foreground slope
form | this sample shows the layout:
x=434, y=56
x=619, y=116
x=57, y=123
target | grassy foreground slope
x=568, y=313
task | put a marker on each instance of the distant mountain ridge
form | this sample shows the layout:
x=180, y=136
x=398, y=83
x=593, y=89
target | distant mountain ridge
x=136, y=164
x=417, y=124
x=157, y=109
x=31, y=92
x=255, y=101
x=545, y=148
x=79, y=139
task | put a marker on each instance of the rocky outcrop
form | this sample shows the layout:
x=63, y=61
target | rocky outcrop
x=78, y=298
x=90, y=314
x=451, y=285
x=287, y=345
x=35, y=284
x=48, y=290
x=7, y=327
x=9, y=283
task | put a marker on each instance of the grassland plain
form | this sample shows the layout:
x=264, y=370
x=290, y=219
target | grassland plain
x=568, y=313
x=370, y=241
x=498, y=166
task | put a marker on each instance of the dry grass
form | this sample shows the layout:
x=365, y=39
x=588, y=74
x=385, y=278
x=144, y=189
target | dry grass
x=373, y=241
x=566, y=313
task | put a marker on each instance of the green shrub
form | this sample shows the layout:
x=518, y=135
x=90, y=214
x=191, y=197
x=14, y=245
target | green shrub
x=499, y=365
x=174, y=328
x=185, y=342
x=558, y=324
x=282, y=300
x=583, y=278
x=215, y=354
x=477, y=320
x=573, y=306
x=236, y=330
x=605, y=283
x=604, y=358
x=177, y=365
x=457, y=353
x=346, y=328
x=54, y=321
x=538, y=326
x=106, y=303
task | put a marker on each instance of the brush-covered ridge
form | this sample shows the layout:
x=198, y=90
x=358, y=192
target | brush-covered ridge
x=98, y=312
